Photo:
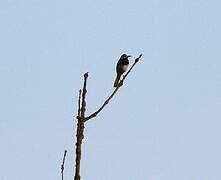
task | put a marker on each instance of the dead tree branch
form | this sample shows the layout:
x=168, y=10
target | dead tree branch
x=113, y=93
x=80, y=127
x=79, y=103
x=62, y=165
x=82, y=119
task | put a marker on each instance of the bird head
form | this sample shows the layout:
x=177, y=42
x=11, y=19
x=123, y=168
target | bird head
x=124, y=56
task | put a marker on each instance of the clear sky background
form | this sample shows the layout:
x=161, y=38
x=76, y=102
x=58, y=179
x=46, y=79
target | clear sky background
x=164, y=124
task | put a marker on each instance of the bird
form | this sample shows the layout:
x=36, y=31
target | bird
x=121, y=67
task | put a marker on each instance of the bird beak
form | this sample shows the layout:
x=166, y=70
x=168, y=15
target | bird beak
x=129, y=56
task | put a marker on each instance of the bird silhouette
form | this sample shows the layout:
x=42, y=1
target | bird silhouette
x=121, y=67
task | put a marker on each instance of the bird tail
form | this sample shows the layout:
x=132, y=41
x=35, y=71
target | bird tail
x=117, y=80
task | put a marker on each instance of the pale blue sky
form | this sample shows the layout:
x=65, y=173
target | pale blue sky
x=164, y=124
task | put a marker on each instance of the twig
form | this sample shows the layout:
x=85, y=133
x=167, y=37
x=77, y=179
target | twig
x=80, y=127
x=79, y=104
x=83, y=103
x=113, y=93
x=135, y=62
x=62, y=165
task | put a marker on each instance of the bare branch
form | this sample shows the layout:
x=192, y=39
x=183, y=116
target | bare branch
x=83, y=103
x=82, y=119
x=79, y=104
x=135, y=62
x=80, y=127
x=113, y=93
x=62, y=165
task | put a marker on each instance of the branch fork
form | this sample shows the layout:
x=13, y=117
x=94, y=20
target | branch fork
x=81, y=118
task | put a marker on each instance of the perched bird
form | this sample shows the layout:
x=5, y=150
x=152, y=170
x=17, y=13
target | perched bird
x=121, y=67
